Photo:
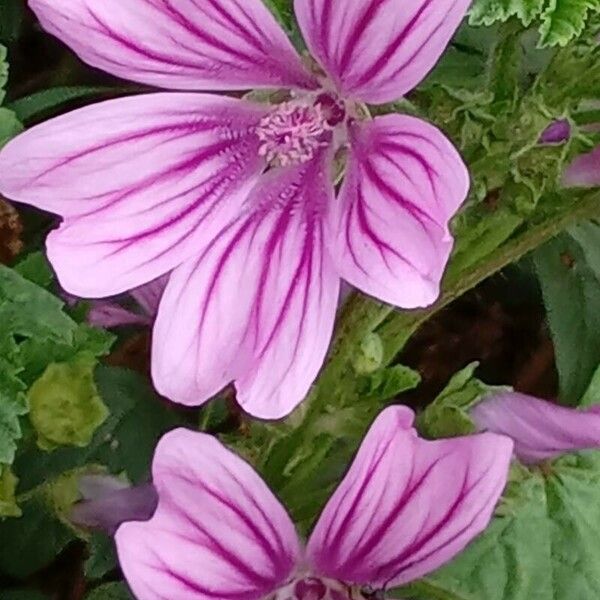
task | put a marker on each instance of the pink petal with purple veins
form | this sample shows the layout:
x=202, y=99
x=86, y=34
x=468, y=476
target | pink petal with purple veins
x=179, y=44
x=218, y=532
x=541, y=430
x=389, y=226
x=407, y=506
x=584, y=171
x=143, y=182
x=377, y=50
x=258, y=306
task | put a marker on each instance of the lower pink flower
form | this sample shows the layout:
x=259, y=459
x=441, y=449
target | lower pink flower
x=406, y=507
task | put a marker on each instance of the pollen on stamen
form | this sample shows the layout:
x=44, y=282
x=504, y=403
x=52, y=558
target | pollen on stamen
x=293, y=133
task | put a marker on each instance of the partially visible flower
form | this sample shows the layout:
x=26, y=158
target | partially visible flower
x=113, y=313
x=584, y=171
x=108, y=502
x=238, y=198
x=406, y=507
x=540, y=430
x=557, y=132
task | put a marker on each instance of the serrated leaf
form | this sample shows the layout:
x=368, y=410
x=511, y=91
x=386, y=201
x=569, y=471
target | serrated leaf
x=564, y=20
x=487, y=12
x=571, y=291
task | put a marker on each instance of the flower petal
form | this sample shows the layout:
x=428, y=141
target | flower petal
x=258, y=305
x=218, y=531
x=404, y=181
x=140, y=181
x=584, y=171
x=377, y=50
x=178, y=44
x=540, y=429
x=408, y=505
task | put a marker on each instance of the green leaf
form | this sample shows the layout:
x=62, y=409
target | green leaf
x=487, y=12
x=110, y=591
x=8, y=502
x=33, y=540
x=65, y=407
x=448, y=414
x=45, y=103
x=11, y=18
x=124, y=443
x=102, y=556
x=10, y=125
x=564, y=20
x=571, y=289
x=544, y=543
x=12, y=406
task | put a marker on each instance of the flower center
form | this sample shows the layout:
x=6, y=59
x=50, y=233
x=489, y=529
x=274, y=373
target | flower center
x=316, y=588
x=293, y=133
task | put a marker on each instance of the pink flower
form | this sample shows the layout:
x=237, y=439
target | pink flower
x=237, y=198
x=540, y=430
x=406, y=507
x=584, y=171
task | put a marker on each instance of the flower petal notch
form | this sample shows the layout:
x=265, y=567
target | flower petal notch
x=407, y=505
x=541, y=430
x=218, y=531
x=377, y=50
x=404, y=182
x=189, y=45
x=140, y=182
x=258, y=306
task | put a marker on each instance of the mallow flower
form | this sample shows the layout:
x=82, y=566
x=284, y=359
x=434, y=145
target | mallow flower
x=405, y=507
x=238, y=198
x=540, y=430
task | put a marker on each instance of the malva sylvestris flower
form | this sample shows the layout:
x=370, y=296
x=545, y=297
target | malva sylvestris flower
x=405, y=507
x=540, y=429
x=237, y=198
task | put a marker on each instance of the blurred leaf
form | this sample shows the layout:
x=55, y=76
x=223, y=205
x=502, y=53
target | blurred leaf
x=102, y=556
x=8, y=502
x=33, y=540
x=571, y=289
x=23, y=595
x=11, y=18
x=387, y=383
x=65, y=408
x=45, y=103
x=544, y=543
x=448, y=414
x=36, y=268
x=9, y=125
x=125, y=442
x=110, y=591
